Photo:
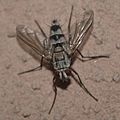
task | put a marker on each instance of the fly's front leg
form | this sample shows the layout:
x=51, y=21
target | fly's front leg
x=34, y=69
x=55, y=90
x=87, y=58
x=43, y=33
x=69, y=25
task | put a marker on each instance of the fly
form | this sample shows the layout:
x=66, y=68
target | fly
x=58, y=51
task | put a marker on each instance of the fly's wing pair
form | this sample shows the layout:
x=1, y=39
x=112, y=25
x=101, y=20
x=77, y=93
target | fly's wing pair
x=81, y=30
x=30, y=41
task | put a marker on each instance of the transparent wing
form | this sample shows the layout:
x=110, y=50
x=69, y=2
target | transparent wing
x=81, y=30
x=29, y=40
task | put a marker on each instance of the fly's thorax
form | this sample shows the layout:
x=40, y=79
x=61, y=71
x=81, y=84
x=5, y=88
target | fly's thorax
x=56, y=34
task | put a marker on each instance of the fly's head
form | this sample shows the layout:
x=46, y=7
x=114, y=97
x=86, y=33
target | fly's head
x=55, y=22
x=55, y=27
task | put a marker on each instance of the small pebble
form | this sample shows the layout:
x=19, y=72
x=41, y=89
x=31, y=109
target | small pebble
x=24, y=60
x=116, y=77
x=8, y=66
x=86, y=108
x=35, y=85
x=99, y=42
x=118, y=46
x=98, y=76
x=16, y=109
x=3, y=93
x=26, y=114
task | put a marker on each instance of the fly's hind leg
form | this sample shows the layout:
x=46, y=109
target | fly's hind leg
x=82, y=85
x=34, y=69
x=87, y=58
x=55, y=90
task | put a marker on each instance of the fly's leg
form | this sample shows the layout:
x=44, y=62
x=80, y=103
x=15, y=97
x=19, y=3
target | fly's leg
x=55, y=90
x=40, y=28
x=43, y=33
x=69, y=25
x=82, y=85
x=34, y=69
x=87, y=58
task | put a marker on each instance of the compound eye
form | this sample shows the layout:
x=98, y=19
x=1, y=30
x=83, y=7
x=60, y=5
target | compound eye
x=54, y=21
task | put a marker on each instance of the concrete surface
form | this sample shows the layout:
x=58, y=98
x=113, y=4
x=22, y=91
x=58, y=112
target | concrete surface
x=29, y=97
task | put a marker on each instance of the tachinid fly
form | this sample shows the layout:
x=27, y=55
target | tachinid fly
x=56, y=50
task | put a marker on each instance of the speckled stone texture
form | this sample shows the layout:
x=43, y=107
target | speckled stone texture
x=29, y=96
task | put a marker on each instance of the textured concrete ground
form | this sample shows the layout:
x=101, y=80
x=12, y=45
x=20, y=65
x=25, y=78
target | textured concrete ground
x=29, y=97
